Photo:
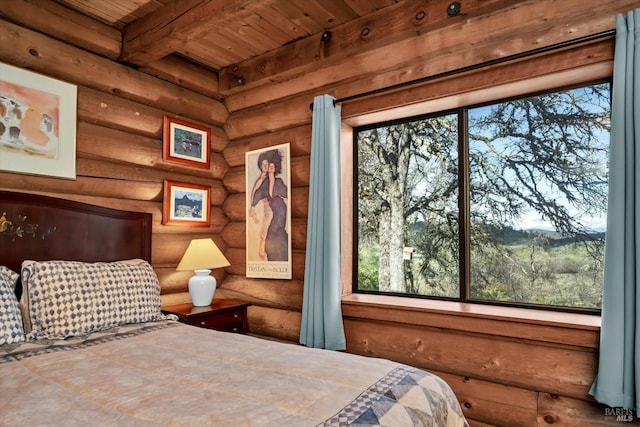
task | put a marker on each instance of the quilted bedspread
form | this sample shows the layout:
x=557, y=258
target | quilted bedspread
x=166, y=373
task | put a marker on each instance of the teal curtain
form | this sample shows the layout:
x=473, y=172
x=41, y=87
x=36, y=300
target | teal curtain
x=618, y=381
x=321, y=311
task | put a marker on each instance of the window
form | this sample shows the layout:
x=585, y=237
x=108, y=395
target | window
x=502, y=203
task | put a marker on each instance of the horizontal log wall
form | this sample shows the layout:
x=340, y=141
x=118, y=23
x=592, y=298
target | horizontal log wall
x=506, y=372
x=119, y=126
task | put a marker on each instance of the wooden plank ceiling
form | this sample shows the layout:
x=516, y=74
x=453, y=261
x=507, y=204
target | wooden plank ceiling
x=235, y=36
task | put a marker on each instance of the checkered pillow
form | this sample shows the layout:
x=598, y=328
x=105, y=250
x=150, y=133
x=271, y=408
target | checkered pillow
x=11, y=330
x=70, y=298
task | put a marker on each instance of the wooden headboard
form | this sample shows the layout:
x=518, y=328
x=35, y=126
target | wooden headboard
x=47, y=228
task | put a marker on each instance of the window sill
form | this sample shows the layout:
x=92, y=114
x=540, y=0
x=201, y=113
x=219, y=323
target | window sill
x=548, y=327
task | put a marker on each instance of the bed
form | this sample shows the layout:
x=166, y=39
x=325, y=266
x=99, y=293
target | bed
x=83, y=341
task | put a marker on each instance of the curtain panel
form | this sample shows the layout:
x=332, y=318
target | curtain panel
x=617, y=383
x=322, y=325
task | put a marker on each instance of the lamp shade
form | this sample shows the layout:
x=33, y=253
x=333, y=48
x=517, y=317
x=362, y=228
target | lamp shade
x=202, y=254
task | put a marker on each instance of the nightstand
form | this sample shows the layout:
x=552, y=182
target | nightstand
x=222, y=315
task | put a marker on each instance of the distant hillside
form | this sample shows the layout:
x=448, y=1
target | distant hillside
x=509, y=235
x=186, y=201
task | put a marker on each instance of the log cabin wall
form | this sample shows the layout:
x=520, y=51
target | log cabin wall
x=507, y=368
x=120, y=118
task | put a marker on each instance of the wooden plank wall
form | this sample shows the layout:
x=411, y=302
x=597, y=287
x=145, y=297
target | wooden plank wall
x=535, y=377
x=505, y=371
x=119, y=133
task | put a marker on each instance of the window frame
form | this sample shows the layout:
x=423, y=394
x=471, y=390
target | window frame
x=431, y=97
x=464, y=206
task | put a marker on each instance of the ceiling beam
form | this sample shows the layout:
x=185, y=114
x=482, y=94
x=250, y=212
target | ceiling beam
x=170, y=27
x=404, y=19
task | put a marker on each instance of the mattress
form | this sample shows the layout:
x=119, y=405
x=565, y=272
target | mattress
x=165, y=373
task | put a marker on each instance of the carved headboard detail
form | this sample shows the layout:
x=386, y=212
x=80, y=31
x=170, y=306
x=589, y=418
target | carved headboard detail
x=60, y=229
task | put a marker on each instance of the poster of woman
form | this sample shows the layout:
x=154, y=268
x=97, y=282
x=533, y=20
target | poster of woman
x=268, y=224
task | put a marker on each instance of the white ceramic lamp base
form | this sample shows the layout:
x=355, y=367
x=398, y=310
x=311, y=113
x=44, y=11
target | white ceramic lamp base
x=202, y=287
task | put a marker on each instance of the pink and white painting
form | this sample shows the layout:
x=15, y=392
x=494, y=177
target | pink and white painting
x=37, y=123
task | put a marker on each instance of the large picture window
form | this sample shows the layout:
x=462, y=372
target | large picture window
x=503, y=203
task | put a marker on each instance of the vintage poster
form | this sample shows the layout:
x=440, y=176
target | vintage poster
x=268, y=204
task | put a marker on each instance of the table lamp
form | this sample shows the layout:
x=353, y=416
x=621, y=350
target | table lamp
x=201, y=256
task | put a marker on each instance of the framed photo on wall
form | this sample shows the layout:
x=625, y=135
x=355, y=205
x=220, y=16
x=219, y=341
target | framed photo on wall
x=186, y=204
x=268, y=212
x=186, y=143
x=37, y=124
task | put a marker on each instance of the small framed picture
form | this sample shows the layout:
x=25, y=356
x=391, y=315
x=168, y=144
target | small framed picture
x=186, y=204
x=188, y=144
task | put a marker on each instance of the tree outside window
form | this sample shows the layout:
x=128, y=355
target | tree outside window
x=503, y=202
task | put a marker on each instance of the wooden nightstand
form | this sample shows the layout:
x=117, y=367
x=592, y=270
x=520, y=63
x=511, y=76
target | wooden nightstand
x=222, y=315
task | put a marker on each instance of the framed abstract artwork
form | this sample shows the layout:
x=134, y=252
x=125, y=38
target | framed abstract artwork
x=186, y=204
x=186, y=143
x=37, y=124
x=268, y=217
